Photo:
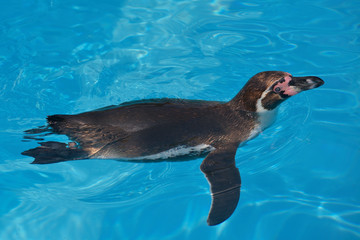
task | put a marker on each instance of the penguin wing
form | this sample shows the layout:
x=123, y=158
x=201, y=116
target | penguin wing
x=224, y=179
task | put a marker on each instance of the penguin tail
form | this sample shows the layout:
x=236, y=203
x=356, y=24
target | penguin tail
x=57, y=122
x=53, y=152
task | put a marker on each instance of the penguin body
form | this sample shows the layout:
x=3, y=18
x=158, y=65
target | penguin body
x=163, y=129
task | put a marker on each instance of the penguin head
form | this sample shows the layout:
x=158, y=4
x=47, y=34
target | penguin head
x=266, y=90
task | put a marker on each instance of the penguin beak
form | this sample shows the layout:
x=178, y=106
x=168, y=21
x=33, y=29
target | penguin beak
x=305, y=83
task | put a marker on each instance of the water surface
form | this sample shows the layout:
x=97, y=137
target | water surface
x=300, y=177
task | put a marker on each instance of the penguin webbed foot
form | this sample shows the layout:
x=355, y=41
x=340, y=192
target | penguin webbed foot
x=53, y=152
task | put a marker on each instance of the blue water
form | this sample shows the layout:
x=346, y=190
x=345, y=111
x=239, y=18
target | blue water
x=300, y=177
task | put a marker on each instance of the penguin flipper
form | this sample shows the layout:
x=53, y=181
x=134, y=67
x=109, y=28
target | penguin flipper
x=52, y=152
x=224, y=179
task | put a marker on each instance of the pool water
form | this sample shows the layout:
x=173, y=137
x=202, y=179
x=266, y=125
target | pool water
x=300, y=177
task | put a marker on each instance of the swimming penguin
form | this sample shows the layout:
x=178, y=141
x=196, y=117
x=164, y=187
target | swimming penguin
x=166, y=129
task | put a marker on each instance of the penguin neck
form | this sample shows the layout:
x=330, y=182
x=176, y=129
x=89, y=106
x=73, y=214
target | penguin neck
x=251, y=101
x=247, y=100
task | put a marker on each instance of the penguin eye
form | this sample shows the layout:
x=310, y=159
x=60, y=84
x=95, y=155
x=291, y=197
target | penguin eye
x=277, y=89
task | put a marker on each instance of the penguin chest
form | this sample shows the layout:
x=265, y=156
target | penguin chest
x=264, y=120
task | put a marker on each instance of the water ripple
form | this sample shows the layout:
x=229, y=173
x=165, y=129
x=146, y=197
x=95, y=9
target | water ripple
x=62, y=57
x=340, y=214
x=277, y=143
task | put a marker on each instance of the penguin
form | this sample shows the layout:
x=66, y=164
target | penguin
x=174, y=129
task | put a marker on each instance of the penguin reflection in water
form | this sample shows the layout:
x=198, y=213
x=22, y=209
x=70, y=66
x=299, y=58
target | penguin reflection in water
x=166, y=129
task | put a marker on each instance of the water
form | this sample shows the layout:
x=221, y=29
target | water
x=300, y=178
